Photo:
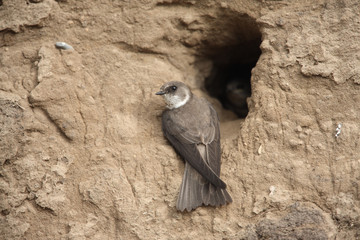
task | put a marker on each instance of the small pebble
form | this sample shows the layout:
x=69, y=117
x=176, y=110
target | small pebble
x=64, y=46
x=223, y=5
x=272, y=190
x=260, y=149
x=338, y=130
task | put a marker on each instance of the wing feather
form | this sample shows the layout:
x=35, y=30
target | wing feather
x=185, y=144
x=213, y=148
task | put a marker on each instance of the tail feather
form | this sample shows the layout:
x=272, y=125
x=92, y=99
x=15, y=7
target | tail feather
x=195, y=191
x=221, y=197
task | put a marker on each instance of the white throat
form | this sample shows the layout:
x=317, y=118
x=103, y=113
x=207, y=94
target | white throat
x=175, y=101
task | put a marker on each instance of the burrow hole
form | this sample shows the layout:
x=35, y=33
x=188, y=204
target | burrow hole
x=234, y=54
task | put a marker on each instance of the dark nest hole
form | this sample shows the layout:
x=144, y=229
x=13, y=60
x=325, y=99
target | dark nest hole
x=233, y=59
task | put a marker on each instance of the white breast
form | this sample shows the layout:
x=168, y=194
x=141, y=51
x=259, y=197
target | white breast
x=175, y=101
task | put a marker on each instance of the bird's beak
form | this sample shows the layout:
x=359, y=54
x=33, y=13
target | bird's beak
x=160, y=93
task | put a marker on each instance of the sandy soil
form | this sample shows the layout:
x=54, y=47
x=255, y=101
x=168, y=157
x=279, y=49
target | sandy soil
x=82, y=155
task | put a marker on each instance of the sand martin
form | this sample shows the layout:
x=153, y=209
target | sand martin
x=191, y=125
x=237, y=91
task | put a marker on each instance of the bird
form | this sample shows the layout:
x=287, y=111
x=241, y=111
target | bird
x=237, y=91
x=191, y=125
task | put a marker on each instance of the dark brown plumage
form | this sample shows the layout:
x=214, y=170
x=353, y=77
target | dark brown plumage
x=192, y=127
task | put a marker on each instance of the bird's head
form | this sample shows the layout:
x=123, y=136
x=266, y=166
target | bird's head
x=176, y=94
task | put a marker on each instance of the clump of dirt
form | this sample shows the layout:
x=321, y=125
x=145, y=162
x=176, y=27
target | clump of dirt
x=11, y=134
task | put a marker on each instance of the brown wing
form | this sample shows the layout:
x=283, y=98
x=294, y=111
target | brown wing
x=213, y=148
x=185, y=144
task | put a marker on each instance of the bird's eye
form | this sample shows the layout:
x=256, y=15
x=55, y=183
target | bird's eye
x=173, y=88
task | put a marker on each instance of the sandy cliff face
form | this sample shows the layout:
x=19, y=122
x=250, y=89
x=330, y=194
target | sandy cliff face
x=82, y=154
